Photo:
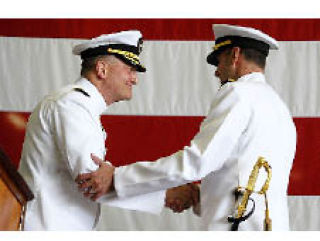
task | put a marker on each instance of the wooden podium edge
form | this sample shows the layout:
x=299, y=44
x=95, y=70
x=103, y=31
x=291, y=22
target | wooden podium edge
x=13, y=179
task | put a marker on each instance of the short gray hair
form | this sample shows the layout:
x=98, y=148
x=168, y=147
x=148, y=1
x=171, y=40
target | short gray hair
x=89, y=64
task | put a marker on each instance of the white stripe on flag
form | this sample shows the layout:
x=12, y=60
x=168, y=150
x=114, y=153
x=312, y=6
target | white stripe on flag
x=178, y=80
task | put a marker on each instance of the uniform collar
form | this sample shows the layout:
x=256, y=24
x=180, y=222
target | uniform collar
x=97, y=102
x=254, y=76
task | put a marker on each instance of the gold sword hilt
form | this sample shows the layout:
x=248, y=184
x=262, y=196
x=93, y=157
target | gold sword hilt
x=261, y=162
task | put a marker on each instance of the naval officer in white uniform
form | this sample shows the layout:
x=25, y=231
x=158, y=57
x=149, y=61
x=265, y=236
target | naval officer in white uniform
x=65, y=128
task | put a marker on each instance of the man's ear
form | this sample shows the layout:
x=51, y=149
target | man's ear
x=101, y=69
x=235, y=54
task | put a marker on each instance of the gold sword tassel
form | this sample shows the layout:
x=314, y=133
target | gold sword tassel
x=261, y=162
x=267, y=220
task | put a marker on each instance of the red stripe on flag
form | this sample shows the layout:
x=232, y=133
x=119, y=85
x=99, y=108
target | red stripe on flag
x=137, y=138
x=157, y=29
x=304, y=178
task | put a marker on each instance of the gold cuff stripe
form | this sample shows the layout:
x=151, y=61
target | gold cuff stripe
x=217, y=46
x=129, y=55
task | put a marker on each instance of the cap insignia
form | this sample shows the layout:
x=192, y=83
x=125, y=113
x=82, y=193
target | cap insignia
x=217, y=46
x=129, y=55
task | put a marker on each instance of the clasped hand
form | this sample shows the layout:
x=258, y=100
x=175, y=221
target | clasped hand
x=97, y=183
x=183, y=197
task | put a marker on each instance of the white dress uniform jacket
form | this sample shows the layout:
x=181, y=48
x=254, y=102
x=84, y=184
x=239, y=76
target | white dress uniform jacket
x=246, y=120
x=62, y=132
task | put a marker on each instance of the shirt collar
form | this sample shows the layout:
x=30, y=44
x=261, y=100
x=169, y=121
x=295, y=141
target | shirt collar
x=254, y=76
x=97, y=102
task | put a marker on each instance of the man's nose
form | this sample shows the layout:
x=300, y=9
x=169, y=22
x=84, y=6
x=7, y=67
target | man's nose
x=217, y=73
x=134, y=79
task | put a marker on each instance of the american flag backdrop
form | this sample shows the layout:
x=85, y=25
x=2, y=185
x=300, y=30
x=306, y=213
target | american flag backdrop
x=171, y=99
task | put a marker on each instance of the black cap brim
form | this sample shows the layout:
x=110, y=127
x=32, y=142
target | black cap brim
x=116, y=49
x=138, y=67
x=213, y=58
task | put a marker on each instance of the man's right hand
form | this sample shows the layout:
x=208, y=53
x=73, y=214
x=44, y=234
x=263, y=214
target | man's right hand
x=97, y=183
x=183, y=197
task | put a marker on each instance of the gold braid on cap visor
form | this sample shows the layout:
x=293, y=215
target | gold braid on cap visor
x=227, y=42
x=129, y=55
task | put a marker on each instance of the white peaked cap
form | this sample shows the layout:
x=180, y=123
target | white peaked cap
x=221, y=30
x=130, y=37
x=227, y=36
x=125, y=45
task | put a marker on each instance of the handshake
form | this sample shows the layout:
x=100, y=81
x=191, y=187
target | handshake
x=100, y=182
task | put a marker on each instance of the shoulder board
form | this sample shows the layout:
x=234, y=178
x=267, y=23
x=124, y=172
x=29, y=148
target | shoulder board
x=81, y=91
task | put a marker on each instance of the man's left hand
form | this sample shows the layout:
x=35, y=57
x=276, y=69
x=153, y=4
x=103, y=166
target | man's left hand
x=97, y=183
x=182, y=197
